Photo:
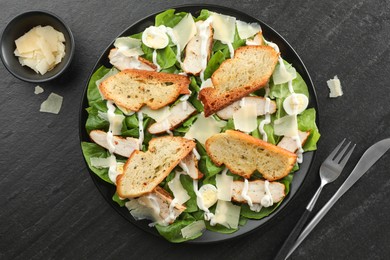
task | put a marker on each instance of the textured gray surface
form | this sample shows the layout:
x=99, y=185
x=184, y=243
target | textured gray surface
x=50, y=208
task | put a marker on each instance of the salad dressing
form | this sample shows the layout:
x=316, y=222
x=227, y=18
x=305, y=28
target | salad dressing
x=141, y=129
x=155, y=209
x=231, y=48
x=267, y=200
x=184, y=99
x=184, y=167
x=244, y=193
x=300, y=150
x=112, y=172
x=171, y=34
x=197, y=155
x=267, y=115
x=155, y=60
x=171, y=215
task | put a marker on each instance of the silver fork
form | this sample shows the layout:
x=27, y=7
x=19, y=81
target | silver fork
x=329, y=171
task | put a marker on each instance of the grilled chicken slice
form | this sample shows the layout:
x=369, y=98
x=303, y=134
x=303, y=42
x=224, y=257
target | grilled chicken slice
x=178, y=114
x=155, y=206
x=192, y=63
x=190, y=165
x=290, y=144
x=123, y=146
x=256, y=191
x=260, y=103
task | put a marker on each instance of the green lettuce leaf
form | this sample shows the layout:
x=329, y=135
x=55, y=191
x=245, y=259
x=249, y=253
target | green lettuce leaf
x=118, y=200
x=307, y=122
x=169, y=18
x=204, y=14
x=92, y=150
x=93, y=93
x=187, y=183
x=172, y=232
x=166, y=58
x=215, y=61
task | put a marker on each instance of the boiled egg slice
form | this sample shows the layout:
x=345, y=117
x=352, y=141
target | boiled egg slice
x=295, y=103
x=155, y=37
x=209, y=195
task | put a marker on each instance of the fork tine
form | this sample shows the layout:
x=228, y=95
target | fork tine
x=345, y=159
x=341, y=154
x=334, y=152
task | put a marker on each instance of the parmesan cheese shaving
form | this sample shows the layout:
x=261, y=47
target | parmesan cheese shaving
x=246, y=30
x=145, y=207
x=180, y=194
x=184, y=31
x=283, y=73
x=193, y=229
x=245, y=118
x=227, y=214
x=335, y=87
x=41, y=48
x=209, y=127
x=128, y=46
x=286, y=126
x=98, y=162
x=224, y=186
x=224, y=27
x=38, y=90
x=158, y=115
x=52, y=104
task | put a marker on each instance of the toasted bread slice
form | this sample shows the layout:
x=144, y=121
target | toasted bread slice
x=256, y=191
x=143, y=171
x=243, y=154
x=249, y=70
x=133, y=89
x=123, y=146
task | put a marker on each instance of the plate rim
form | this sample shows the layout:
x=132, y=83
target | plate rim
x=264, y=222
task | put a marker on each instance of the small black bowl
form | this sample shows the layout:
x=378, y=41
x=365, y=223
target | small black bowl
x=19, y=26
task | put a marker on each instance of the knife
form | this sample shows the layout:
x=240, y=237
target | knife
x=367, y=160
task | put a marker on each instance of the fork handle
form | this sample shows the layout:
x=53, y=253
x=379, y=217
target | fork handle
x=290, y=241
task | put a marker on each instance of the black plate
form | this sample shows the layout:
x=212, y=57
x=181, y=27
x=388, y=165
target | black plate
x=288, y=53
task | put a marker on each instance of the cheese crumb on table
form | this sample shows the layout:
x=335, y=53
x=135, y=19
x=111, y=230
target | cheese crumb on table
x=335, y=87
x=41, y=48
x=38, y=90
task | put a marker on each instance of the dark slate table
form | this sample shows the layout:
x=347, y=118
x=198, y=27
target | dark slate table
x=50, y=207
